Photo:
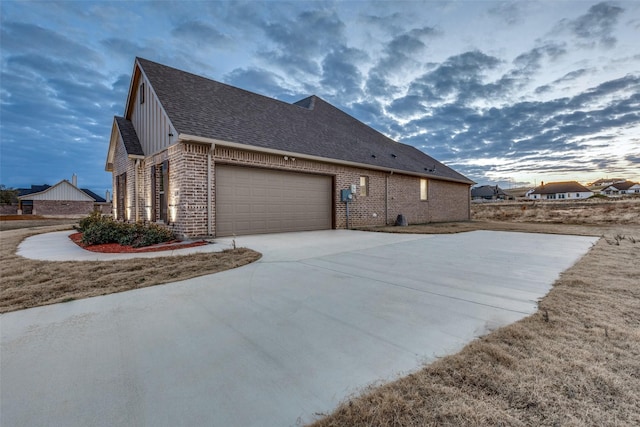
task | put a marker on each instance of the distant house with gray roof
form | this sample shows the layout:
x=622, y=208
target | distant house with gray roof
x=212, y=159
x=569, y=190
x=64, y=199
x=489, y=192
x=621, y=189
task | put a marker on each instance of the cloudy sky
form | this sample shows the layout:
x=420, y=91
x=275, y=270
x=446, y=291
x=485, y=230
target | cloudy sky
x=508, y=92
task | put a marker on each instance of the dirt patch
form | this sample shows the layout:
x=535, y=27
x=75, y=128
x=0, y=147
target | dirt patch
x=576, y=362
x=29, y=283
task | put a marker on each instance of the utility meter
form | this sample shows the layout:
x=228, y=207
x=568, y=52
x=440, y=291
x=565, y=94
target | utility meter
x=345, y=195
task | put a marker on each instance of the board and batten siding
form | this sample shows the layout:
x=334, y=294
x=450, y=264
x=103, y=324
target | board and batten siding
x=62, y=191
x=150, y=121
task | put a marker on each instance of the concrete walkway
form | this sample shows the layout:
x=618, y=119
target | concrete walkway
x=57, y=246
x=321, y=315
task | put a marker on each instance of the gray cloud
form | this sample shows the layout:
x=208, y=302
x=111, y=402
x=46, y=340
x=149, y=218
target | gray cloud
x=200, y=34
x=261, y=81
x=561, y=126
x=460, y=76
x=510, y=12
x=25, y=38
x=340, y=75
x=301, y=42
x=597, y=25
x=400, y=52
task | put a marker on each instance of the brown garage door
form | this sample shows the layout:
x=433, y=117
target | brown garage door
x=254, y=201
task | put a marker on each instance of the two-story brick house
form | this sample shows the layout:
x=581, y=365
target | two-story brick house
x=210, y=159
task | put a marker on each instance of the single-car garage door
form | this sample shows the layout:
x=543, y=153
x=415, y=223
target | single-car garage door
x=254, y=201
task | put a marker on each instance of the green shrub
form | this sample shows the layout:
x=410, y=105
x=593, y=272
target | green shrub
x=101, y=232
x=153, y=234
x=98, y=229
x=90, y=220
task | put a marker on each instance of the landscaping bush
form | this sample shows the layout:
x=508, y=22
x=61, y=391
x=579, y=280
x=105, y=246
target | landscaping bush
x=90, y=220
x=139, y=235
x=98, y=229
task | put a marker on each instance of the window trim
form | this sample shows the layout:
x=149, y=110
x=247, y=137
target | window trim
x=141, y=93
x=424, y=189
x=364, y=188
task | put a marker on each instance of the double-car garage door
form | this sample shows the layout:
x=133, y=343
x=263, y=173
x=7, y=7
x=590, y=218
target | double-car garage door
x=254, y=201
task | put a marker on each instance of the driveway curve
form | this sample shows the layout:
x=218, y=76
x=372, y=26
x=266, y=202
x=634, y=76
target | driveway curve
x=273, y=343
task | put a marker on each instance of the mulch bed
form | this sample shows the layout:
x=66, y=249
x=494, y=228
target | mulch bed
x=115, y=248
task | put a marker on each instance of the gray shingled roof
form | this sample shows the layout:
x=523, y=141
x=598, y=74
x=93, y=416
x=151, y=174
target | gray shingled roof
x=487, y=191
x=129, y=136
x=93, y=195
x=206, y=108
x=622, y=185
x=560, y=187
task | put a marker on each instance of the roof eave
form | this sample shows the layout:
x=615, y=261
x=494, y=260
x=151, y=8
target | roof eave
x=212, y=141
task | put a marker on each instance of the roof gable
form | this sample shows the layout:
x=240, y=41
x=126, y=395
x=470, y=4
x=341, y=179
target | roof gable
x=123, y=130
x=203, y=108
x=63, y=190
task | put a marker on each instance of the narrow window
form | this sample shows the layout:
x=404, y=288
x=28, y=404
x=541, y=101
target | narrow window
x=121, y=196
x=163, y=192
x=154, y=193
x=364, y=185
x=423, y=188
x=142, y=93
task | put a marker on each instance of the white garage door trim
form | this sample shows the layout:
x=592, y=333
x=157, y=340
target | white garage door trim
x=256, y=201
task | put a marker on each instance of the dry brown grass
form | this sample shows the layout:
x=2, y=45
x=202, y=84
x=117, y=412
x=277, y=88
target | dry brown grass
x=28, y=283
x=584, y=212
x=576, y=362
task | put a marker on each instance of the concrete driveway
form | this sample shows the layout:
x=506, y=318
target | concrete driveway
x=321, y=315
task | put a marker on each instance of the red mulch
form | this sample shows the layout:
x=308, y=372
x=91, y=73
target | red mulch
x=115, y=248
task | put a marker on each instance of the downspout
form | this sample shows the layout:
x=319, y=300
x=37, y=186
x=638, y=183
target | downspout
x=209, y=219
x=135, y=191
x=386, y=198
x=469, y=204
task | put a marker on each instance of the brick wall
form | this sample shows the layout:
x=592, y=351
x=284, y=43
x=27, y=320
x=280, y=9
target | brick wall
x=62, y=208
x=449, y=201
x=388, y=194
x=8, y=209
x=188, y=188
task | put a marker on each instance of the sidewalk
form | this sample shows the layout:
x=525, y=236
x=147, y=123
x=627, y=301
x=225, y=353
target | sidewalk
x=57, y=246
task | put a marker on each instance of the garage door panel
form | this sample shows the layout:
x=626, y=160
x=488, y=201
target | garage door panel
x=253, y=201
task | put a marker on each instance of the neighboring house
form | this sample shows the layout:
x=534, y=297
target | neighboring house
x=570, y=190
x=621, y=189
x=518, y=193
x=211, y=159
x=604, y=182
x=61, y=199
x=489, y=192
x=597, y=189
